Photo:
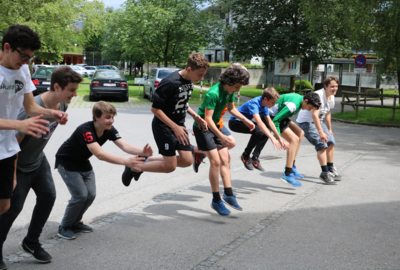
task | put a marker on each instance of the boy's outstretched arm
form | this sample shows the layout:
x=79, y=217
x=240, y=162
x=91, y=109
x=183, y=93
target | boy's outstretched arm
x=284, y=145
x=96, y=150
x=328, y=122
x=32, y=109
x=265, y=130
x=180, y=131
x=233, y=111
x=30, y=126
x=282, y=114
x=133, y=150
x=200, y=121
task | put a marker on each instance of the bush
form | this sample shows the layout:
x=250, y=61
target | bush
x=280, y=89
x=304, y=84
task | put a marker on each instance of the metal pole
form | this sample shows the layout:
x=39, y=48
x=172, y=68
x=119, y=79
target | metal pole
x=201, y=89
x=238, y=97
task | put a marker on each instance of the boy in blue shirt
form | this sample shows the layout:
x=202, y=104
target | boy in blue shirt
x=257, y=109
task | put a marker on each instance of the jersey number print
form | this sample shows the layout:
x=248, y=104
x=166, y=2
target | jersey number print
x=88, y=136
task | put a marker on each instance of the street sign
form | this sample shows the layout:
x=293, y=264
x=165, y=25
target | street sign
x=360, y=70
x=139, y=80
x=360, y=61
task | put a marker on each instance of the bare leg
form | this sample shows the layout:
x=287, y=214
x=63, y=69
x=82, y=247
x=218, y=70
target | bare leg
x=225, y=167
x=294, y=141
x=300, y=134
x=330, y=153
x=215, y=164
x=321, y=155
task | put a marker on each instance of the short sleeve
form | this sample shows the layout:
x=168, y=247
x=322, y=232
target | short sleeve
x=210, y=100
x=85, y=134
x=231, y=98
x=253, y=108
x=163, y=94
x=113, y=134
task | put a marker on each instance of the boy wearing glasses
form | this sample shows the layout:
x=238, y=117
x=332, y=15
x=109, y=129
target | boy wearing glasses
x=18, y=47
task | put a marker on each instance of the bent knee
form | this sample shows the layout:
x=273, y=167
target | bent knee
x=169, y=168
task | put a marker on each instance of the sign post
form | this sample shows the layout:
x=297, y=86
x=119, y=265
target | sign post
x=139, y=81
x=201, y=89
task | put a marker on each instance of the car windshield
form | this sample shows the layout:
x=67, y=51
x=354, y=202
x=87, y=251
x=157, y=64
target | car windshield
x=44, y=72
x=90, y=68
x=163, y=73
x=109, y=74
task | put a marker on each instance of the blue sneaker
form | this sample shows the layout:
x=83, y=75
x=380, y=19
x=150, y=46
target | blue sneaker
x=290, y=180
x=231, y=201
x=220, y=208
x=296, y=173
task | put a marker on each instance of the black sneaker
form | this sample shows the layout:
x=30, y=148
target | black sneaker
x=37, y=251
x=327, y=178
x=257, y=165
x=3, y=266
x=128, y=175
x=247, y=163
x=66, y=233
x=80, y=227
x=197, y=160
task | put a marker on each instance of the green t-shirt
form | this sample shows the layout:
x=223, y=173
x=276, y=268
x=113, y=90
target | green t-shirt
x=287, y=106
x=215, y=99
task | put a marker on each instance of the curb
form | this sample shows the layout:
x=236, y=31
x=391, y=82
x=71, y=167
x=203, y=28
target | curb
x=365, y=123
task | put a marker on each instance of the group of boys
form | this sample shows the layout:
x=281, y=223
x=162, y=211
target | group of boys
x=27, y=123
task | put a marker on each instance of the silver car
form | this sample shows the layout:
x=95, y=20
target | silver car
x=82, y=71
x=90, y=70
x=152, y=81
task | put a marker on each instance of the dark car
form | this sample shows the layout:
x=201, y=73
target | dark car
x=42, y=78
x=108, y=82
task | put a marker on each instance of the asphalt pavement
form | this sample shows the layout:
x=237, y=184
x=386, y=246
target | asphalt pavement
x=164, y=221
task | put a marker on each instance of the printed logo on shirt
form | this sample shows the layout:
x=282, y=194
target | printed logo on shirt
x=88, y=136
x=166, y=146
x=17, y=86
x=52, y=127
x=117, y=136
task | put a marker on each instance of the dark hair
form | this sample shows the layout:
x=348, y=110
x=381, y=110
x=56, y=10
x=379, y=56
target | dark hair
x=102, y=107
x=21, y=36
x=313, y=99
x=63, y=76
x=270, y=93
x=197, y=61
x=235, y=74
x=328, y=80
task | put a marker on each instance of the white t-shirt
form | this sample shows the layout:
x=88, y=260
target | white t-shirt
x=326, y=106
x=13, y=85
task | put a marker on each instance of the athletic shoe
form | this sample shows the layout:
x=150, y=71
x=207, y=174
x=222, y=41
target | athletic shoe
x=220, y=208
x=257, y=165
x=290, y=180
x=80, y=227
x=296, y=173
x=3, y=266
x=232, y=202
x=66, y=233
x=197, y=160
x=327, y=178
x=334, y=173
x=128, y=175
x=37, y=251
x=247, y=163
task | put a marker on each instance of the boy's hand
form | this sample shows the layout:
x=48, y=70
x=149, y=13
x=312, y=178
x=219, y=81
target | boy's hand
x=200, y=122
x=33, y=125
x=250, y=124
x=285, y=145
x=324, y=137
x=276, y=143
x=147, y=151
x=330, y=131
x=181, y=134
x=227, y=141
x=135, y=163
x=61, y=117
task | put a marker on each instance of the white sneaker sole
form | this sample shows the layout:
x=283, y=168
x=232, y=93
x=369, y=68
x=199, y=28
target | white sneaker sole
x=62, y=236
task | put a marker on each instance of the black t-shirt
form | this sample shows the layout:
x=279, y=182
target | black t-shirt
x=74, y=155
x=172, y=96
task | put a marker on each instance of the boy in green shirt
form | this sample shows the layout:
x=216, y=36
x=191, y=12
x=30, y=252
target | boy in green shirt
x=215, y=142
x=287, y=106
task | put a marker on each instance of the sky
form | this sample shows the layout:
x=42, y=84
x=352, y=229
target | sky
x=113, y=3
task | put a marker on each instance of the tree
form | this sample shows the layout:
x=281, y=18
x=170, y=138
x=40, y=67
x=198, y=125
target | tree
x=163, y=31
x=60, y=23
x=371, y=23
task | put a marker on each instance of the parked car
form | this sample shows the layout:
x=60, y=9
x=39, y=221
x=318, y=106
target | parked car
x=108, y=83
x=108, y=67
x=42, y=78
x=81, y=65
x=90, y=70
x=155, y=77
x=82, y=71
x=104, y=67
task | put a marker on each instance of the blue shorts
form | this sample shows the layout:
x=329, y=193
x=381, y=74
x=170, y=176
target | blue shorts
x=312, y=135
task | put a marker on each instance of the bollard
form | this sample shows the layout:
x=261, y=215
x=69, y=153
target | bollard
x=201, y=89
x=263, y=87
x=238, y=97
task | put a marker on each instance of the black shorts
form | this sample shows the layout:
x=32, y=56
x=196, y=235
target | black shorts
x=166, y=140
x=207, y=140
x=284, y=124
x=7, y=168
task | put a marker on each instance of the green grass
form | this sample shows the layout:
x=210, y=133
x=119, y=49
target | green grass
x=372, y=115
x=390, y=92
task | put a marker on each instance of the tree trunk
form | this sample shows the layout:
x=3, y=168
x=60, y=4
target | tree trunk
x=130, y=68
x=292, y=86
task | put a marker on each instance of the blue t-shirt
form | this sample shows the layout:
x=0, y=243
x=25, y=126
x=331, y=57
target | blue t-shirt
x=251, y=107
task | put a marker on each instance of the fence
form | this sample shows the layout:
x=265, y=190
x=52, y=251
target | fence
x=96, y=59
x=368, y=95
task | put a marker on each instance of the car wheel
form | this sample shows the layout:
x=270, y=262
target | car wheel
x=144, y=92
x=92, y=98
x=151, y=95
x=126, y=98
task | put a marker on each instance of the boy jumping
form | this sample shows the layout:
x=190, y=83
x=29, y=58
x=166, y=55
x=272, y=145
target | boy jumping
x=319, y=133
x=287, y=106
x=257, y=109
x=170, y=104
x=72, y=161
x=215, y=142
x=33, y=169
